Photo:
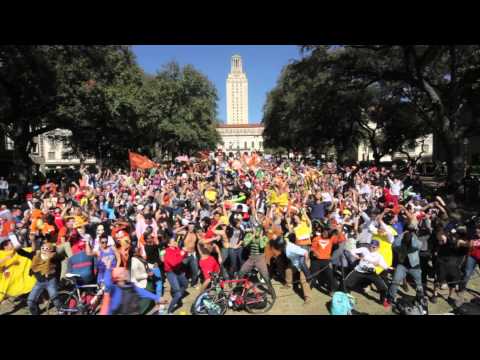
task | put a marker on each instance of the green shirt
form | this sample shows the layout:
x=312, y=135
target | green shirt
x=256, y=243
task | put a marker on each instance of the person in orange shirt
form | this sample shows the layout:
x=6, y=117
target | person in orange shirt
x=7, y=227
x=322, y=246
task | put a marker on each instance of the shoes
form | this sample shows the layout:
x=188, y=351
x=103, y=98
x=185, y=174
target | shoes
x=387, y=304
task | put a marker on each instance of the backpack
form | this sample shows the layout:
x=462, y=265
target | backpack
x=412, y=306
x=471, y=308
x=342, y=304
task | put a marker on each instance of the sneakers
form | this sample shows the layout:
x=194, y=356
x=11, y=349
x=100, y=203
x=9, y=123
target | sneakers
x=386, y=304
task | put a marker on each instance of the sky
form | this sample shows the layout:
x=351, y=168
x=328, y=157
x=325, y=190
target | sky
x=262, y=64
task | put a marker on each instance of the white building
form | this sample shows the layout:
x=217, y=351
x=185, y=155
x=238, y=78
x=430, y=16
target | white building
x=51, y=153
x=237, y=134
x=423, y=148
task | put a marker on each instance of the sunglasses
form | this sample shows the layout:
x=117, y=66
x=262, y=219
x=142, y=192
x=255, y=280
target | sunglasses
x=103, y=242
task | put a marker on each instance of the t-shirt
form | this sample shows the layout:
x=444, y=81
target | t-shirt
x=295, y=253
x=369, y=260
x=83, y=265
x=318, y=210
x=475, y=250
x=322, y=248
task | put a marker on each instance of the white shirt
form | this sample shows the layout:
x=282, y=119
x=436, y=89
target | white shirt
x=395, y=187
x=138, y=273
x=369, y=260
x=3, y=184
x=327, y=197
x=295, y=253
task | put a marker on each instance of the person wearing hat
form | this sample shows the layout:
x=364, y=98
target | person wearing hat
x=364, y=272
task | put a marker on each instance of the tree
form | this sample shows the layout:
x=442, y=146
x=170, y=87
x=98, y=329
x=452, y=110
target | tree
x=440, y=82
x=43, y=88
x=180, y=111
x=310, y=108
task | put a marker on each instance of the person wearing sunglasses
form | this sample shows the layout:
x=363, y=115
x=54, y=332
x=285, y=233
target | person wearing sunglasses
x=44, y=269
x=104, y=254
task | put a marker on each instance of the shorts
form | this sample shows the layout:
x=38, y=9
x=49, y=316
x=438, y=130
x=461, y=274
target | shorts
x=448, y=271
x=209, y=265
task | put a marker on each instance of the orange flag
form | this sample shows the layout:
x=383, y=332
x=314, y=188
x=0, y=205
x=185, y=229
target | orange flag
x=138, y=161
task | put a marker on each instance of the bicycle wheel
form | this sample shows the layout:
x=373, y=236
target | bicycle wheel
x=70, y=304
x=209, y=303
x=259, y=299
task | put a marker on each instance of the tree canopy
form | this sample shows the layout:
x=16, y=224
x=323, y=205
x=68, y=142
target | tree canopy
x=402, y=92
x=104, y=98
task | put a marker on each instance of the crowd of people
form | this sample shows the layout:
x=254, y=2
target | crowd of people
x=320, y=227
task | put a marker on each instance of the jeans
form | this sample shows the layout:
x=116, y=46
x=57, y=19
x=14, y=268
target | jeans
x=157, y=278
x=235, y=258
x=469, y=269
x=178, y=284
x=192, y=263
x=3, y=193
x=400, y=274
x=38, y=289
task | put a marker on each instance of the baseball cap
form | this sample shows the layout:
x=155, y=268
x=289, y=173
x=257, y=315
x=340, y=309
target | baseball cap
x=374, y=243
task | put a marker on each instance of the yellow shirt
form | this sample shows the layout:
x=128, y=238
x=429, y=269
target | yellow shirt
x=385, y=248
x=303, y=230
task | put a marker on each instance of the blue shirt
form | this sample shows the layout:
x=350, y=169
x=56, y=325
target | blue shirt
x=83, y=265
x=116, y=293
x=318, y=210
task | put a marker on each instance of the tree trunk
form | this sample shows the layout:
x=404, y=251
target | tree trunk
x=454, y=150
x=376, y=159
x=23, y=162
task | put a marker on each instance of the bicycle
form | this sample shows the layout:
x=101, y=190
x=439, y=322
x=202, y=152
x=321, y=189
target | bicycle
x=244, y=293
x=81, y=299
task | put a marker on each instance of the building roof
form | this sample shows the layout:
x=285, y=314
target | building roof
x=239, y=126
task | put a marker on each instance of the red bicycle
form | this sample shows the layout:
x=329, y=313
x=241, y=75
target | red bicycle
x=237, y=294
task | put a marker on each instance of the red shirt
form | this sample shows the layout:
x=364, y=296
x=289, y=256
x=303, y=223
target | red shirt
x=475, y=251
x=210, y=231
x=173, y=259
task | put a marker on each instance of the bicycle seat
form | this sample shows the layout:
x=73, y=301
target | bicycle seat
x=72, y=276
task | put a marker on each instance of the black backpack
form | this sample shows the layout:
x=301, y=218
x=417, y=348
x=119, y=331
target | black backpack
x=471, y=308
x=130, y=304
x=409, y=305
